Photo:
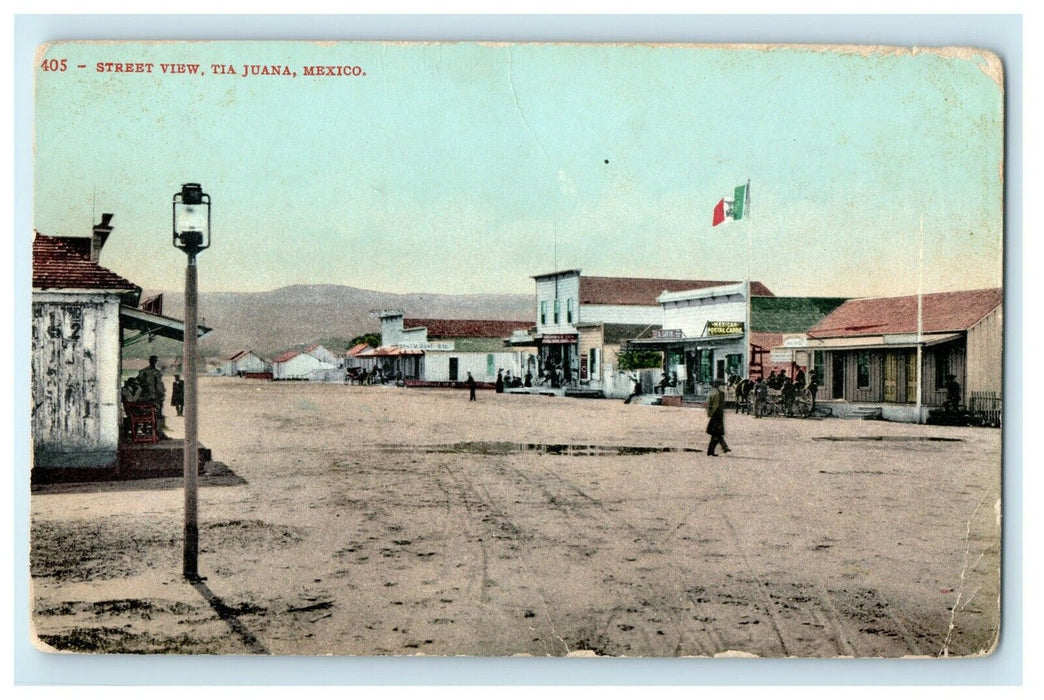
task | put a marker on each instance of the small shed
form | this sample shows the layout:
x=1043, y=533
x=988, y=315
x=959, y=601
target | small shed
x=242, y=363
x=297, y=365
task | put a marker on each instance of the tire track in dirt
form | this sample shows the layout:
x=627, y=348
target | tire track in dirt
x=482, y=572
x=603, y=523
x=498, y=522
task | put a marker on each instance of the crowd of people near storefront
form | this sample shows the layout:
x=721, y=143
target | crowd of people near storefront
x=752, y=396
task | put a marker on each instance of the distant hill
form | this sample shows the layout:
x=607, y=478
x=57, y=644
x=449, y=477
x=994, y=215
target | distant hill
x=299, y=315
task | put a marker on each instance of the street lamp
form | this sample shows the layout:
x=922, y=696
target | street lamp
x=191, y=227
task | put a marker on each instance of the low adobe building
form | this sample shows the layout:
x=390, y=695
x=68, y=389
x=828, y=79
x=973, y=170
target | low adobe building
x=243, y=363
x=298, y=365
x=436, y=351
x=83, y=314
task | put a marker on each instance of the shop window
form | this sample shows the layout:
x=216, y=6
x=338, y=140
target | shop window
x=569, y=310
x=734, y=364
x=942, y=368
x=705, y=367
x=593, y=363
x=819, y=364
x=863, y=369
x=556, y=311
x=543, y=313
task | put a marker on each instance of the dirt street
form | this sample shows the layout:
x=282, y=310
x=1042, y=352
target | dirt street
x=377, y=520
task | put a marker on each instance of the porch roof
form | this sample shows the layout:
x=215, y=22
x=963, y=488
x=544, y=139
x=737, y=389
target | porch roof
x=150, y=325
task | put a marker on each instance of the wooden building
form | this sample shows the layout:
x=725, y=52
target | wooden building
x=866, y=352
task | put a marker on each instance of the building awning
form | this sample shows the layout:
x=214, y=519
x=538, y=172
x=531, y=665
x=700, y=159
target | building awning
x=150, y=325
x=389, y=351
x=701, y=341
x=876, y=342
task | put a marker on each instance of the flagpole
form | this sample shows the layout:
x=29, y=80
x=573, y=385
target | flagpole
x=750, y=255
x=920, y=318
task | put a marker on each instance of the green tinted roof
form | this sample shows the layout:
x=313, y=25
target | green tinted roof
x=790, y=314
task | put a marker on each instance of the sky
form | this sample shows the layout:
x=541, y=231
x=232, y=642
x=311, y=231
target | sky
x=469, y=167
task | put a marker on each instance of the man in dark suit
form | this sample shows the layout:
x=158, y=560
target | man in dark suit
x=716, y=419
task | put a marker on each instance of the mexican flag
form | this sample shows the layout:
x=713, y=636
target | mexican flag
x=733, y=209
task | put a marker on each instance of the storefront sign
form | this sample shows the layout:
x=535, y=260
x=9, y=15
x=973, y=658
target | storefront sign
x=724, y=327
x=583, y=367
x=794, y=342
x=558, y=339
x=668, y=334
x=782, y=355
x=444, y=347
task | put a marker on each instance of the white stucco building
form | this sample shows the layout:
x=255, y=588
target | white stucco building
x=445, y=350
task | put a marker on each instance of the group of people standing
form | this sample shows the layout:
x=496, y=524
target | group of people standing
x=752, y=394
x=147, y=387
x=508, y=381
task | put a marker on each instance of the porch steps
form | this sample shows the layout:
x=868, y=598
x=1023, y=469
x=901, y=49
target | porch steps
x=585, y=393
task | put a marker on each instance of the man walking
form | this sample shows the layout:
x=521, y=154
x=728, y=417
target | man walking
x=471, y=387
x=716, y=419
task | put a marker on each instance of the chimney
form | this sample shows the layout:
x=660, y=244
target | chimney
x=99, y=236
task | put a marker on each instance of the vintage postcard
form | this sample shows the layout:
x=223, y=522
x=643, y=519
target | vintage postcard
x=498, y=349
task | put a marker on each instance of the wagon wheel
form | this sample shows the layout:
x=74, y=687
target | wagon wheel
x=803, y=404
x=775, y=406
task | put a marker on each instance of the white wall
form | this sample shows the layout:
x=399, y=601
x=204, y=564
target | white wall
x=603, y=313
x=298, y=367
x=692, y=315
x=436, y=365
x=81, y=355
x=568, y=287
x=323, y=355
x=250, y=363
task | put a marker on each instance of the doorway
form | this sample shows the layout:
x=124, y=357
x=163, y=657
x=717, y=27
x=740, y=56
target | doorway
x=837, y=382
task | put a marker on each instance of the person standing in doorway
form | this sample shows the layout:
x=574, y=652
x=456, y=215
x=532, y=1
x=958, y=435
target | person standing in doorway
x=177, y=395
x=150, y=383
x=470, y=381
x=716, y=419
x=499, y=385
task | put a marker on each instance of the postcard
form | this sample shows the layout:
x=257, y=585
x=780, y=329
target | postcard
x=517, y=349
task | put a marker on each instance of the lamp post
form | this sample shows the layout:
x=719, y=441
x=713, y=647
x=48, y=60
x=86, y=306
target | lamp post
x=191, y=226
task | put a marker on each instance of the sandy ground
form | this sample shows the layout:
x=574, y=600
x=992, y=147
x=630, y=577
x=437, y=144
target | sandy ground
x=379, y=521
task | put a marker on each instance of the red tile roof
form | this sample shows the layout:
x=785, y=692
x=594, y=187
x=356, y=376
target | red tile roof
x=942, y=312
x=453, y=328
x=288, y=355
x=57, y=265
x=638, y=291
x=356, y=349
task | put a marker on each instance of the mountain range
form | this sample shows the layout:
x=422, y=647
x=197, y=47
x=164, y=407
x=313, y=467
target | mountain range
x=300, y=315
